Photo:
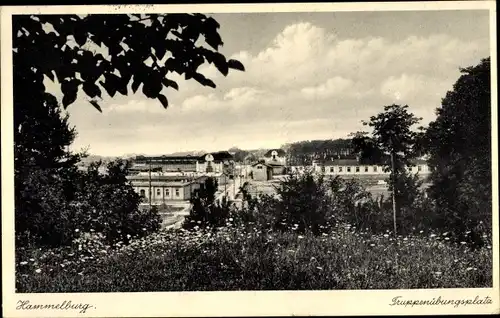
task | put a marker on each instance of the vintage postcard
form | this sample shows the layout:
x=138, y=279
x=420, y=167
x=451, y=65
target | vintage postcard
x=250, y=159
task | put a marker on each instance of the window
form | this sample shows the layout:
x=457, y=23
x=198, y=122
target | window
x=259, y=167
x=340, y=169
x=357, y=169
x=176, y=192
x=167, y=192
x=366, y=169
x=158, y=192
x=348, y=169
x=419, y=168
x=323, y=169
x=331, y=169
x=143, y=193
x=374, y=168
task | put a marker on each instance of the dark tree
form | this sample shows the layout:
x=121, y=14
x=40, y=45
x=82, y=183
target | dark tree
x=367, y=149
x=393, y=134
x=459, y=146
x=205, y=211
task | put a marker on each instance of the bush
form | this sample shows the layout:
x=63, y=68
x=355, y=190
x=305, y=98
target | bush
x=57, y=206
x=205, y=211
x=43, y=216
x=112, y=205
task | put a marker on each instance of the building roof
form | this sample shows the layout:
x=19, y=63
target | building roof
x=218, y=156
x=277, y=164
x=261, y=163
x=341, y=162
x=281, y=152
x=161, y=184
x=163, y=178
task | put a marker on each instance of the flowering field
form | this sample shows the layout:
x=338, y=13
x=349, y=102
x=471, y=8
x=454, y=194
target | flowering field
x=252, y=258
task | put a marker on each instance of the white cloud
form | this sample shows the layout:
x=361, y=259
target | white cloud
x=306, y=84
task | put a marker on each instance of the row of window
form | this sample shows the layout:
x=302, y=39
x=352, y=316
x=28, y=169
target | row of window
x=366, y=169
x=158, y=192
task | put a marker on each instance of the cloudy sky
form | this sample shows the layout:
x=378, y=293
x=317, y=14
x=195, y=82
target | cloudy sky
x=308, y=76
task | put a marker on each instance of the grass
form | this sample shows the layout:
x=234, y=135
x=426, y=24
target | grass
x=247, y=258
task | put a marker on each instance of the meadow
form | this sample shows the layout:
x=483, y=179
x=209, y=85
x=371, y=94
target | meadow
x=251, y=257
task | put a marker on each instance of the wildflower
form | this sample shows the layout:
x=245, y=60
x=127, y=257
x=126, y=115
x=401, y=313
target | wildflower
x=300, y=237
x=32, y=260
x=445, y=233
x=230, y=219
x=433, y=235
x=421, y=232
x=463, y=243
x=386, y=235
x=405, y=239
x=62, y=265
x=77, y=230
x=23, y=263
x=446, y=238
x=438, y=273
x=372, y=244
x=319, y=267
x=469, y=269
x=38, y=270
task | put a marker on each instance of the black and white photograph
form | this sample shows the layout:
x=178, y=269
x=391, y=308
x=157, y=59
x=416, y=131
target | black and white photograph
x=162, y=150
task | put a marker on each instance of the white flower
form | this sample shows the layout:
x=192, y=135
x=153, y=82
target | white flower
x=38, y=270
x=23, y=263
x=300, y=237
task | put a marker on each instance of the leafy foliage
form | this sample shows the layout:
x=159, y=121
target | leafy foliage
x=395, y=141
x=112, y=205
x=303, y=200
x=304, y=152
x=205, y=211
x=168, y=41
x=459, y=146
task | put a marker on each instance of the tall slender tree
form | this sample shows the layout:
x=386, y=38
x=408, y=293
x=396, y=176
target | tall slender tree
x=392, y=133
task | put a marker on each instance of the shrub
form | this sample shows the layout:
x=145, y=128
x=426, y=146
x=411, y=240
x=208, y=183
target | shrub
x=205, y=211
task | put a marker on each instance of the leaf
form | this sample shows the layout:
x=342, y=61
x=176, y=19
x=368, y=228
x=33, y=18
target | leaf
x=69, y=98
x=135, y=84
x=163, y=100
x=96, y=105
x=213, y=39
x=91, y=89
x=110, y=89
x=80, y=37
x=50, y=75
x=203, y=80
x=169, y=83
x=235, y=64
x=221, y=64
